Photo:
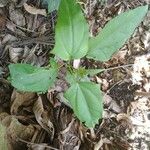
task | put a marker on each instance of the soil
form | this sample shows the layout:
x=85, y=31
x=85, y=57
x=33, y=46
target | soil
x=44, y=121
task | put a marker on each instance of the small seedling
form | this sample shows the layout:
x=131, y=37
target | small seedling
x=72, y=41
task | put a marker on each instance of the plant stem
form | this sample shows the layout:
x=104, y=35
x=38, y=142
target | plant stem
x=123, y=66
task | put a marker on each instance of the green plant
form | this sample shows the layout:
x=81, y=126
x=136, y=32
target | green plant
x=73, y=42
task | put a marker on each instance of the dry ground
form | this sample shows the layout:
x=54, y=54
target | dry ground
x=43, y=122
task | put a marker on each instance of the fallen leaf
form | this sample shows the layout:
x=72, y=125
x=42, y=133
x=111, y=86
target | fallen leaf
x=141, y=67
x=15, y=53
x=16, y=16
x=18, y=130
x=14, y=130
x=21, y=99
x=34, y=10
x=3, y=21
x=120, y=56
x=111, y=104
x=4, y=142
x=3, y=3
x=8, y=38
x=42, y=117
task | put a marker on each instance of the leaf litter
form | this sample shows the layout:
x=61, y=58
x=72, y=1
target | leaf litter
x=44, y=121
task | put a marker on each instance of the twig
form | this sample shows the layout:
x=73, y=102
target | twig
x=144, y=94
x=123, y=66
x=50, y=147
x=39, y=40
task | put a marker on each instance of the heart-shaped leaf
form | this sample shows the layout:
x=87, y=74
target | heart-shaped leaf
x=115, y=34
x=25, y=77
x=86, y=101
x=71, y=32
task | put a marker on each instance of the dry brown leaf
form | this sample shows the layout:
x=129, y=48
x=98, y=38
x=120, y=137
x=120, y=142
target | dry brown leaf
x=16, y=16
x=100, y=143
x=15, y=130
x=120, y=56
x=3, y=115
x=8, y=38
x=15, y=53
x=123, y=116
x=3, y=3
x=111, y=104
x=141, y=67
x=146, y=34
x=42, y=117
x=4, y=142
x=3, y=20
x=31, y=58
x=139, y=115
x=34, y=10
x=39, y=146
x=125, y=123
x=147, y=86
x=5, y=119
x=18, y=130
x=69, y=135
x=21, y=99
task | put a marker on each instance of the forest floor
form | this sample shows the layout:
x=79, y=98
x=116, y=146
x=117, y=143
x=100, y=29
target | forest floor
x=44, y=122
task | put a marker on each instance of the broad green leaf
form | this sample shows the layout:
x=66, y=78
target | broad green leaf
x=52, y=4
x=115, y=34
x=3, y=138
x=71, y=32
x=53, y=63
x=86, y=101
x=71, y=78
x=25, y=77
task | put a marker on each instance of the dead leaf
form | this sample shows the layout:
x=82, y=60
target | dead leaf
x=3, y=115
x=16, y=16
x=141, y=65
x=123, y=116
x=120, y=56
x=42, y=117
x=4, y=142
x=21, y=99
x=125, y=123
x=3, y=21
x=5, y=119
x=3, y=3
x=19, y=130
x=15, y=53
x=69, y=135
x=14, y=129
x=8, y=38
x=39, y=146
x=111, y=104
x=34, y=11
x=100, y=143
